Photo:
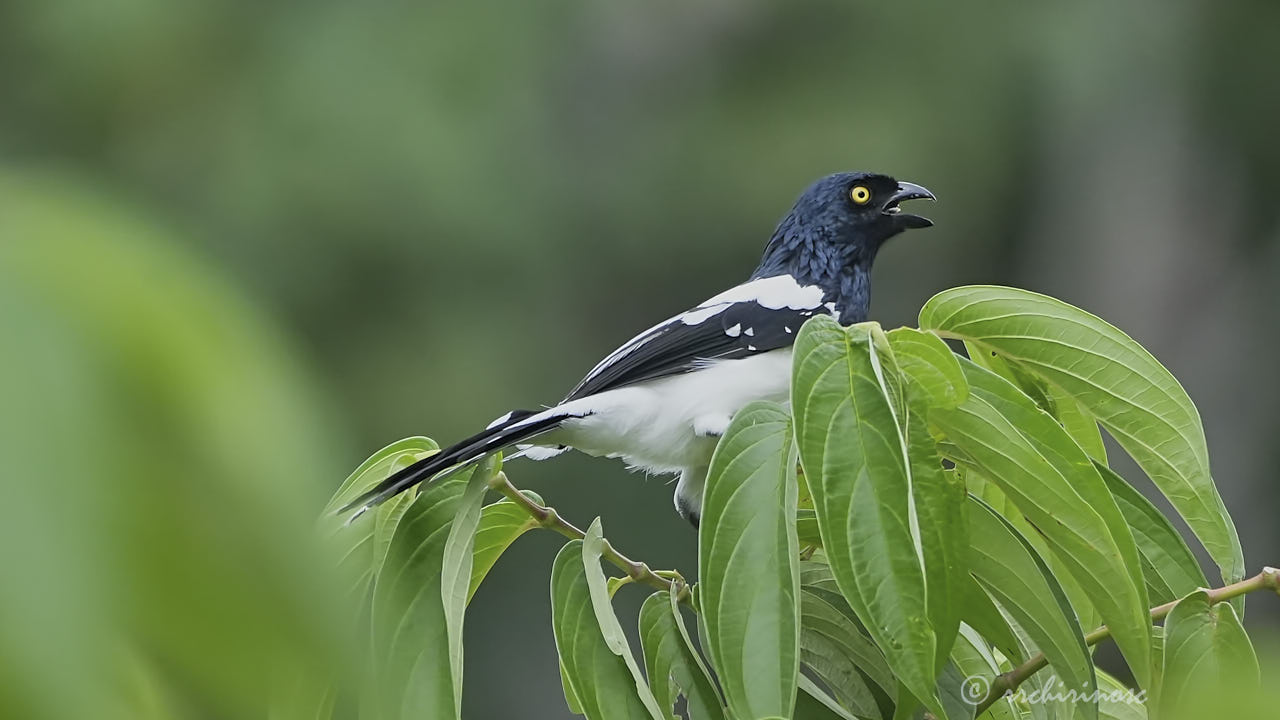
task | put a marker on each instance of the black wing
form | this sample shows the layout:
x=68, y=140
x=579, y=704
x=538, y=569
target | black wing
x=753, y=318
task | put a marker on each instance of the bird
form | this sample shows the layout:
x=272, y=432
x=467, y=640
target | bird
x=662, y=399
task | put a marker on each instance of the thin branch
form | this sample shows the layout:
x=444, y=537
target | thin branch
x=1268, y=579
x=547, y=517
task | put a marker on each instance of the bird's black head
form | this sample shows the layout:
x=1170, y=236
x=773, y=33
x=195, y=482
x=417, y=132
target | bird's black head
x=847, y=217
x=858, y=207
x=835, y=229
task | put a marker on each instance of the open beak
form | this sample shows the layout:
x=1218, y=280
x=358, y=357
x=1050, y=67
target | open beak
x=908, y=191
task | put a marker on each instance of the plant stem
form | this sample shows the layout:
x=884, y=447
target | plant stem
x=547, y=517
x=1268, y=579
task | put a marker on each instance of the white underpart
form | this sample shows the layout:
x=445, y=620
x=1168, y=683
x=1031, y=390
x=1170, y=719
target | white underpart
x=668, y=424
x=711, y=425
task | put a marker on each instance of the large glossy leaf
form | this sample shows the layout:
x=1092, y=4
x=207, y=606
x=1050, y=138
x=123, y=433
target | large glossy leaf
x=1054, y=484
x=420, y=596
x=1169, y=568
x=500, y=525
x=1129, y=392
x=1205, y=651
x=748, y=560
x=671, y=662
x=599, y=682
x=1007, y=566
x=854, y=452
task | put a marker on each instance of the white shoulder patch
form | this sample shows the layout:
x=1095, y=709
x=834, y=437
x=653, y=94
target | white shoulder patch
x=500, y=421
x=774, y=293
x=703, y=312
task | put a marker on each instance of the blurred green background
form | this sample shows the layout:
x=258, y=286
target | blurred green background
x=244, y=245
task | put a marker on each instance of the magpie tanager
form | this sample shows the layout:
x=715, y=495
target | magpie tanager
x=662, y=399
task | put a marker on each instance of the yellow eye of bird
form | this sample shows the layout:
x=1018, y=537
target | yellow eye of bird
x=860, y=194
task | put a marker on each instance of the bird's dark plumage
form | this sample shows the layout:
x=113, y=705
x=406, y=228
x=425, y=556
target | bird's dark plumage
x=660, y=399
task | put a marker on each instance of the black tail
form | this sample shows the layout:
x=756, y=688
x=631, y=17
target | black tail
x=512, y=429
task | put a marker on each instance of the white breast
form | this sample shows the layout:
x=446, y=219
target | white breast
x=663, y=425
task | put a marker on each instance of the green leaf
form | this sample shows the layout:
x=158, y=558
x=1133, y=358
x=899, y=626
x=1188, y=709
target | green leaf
x=844, y=659
x=599, y=682
x=748, y=560
x=387, y=516
x=952, y=690
x=1050, y=705
x=1007, y=566
x=926, y=360
x=814, y=703
x=361, y=544
x=500, y=524
x=854, y=453
x=1116, y=701
x=827, y=621
x=807, y=528
x=978, y=665
x=593, y=545
x=935, y=379
x=1206, y=650
x=1129, y=392
x=981, y=614
x=420, y=596
x=939, y=498
x=1078, y=423
x=1169, y=568
x=570, y=693
x=455, y=571
x=992, y=495
x=375, y=469
x=825, y=662
x=671, y=662
x=1054, y=484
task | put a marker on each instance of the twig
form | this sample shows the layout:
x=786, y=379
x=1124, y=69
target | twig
x=1268, y=579
x=548, y=518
